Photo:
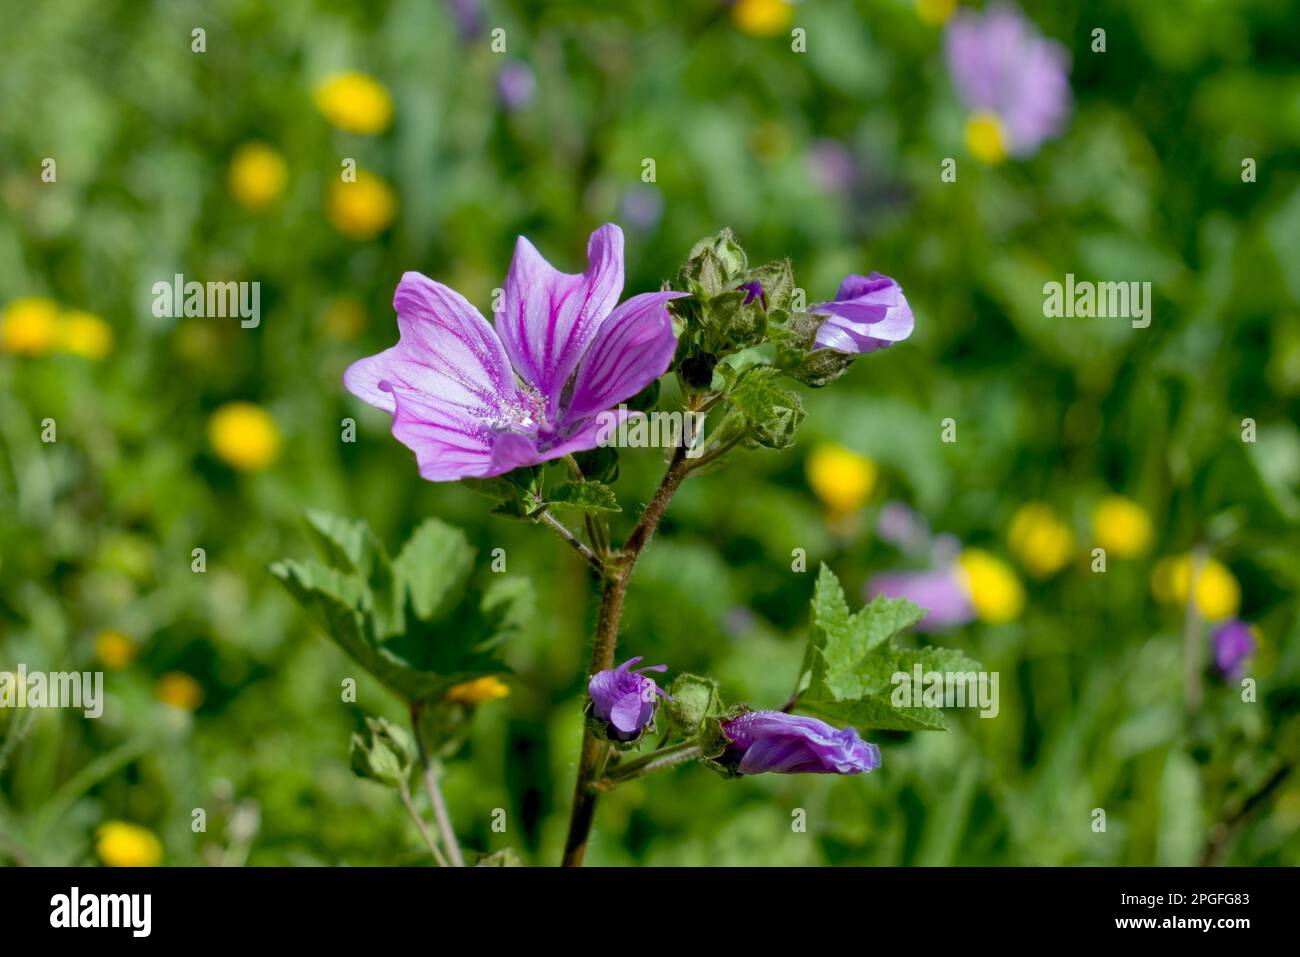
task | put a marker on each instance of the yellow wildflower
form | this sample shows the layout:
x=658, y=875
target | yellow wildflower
x=840, y=477
x=762, y=18
x=355, y=102
x=114, y=649
x=29, y=326
x=244, y=435
x=985, y=139
x=257, y=175
x=120, y=844
x=479, y=690
x=995, y=592
x=84, y=334
x=179, y=690
x=1121, y=526
x=1218, y=595
x=1041, y=542
x=361, y=209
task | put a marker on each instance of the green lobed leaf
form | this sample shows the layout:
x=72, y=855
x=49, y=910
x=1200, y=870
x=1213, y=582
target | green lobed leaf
x=599, y=464
x=511, y=485
x=452, y=632
x=351, y=547
x=583, y=496
x=851, y=659
x=435, y=562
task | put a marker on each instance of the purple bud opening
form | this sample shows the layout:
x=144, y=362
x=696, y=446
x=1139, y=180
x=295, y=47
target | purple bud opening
x=625, y=698
x=779, y=743
x=754, y=290
x=868, y=313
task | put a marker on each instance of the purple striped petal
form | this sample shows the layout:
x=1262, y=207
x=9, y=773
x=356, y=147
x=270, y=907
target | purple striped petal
x=450, y=442
x=549, y=318
x=868, y=313
x=631, y=349
x=446, y=350
x=778, y=743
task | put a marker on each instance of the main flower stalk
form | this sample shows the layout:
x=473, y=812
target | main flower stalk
x=603, y=648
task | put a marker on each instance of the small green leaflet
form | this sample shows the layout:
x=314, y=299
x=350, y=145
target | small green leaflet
x=583, y=496
x=849, y=664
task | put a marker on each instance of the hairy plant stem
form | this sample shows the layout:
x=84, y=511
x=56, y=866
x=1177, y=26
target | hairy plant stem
x=606, y=640
x=405, y=791
x=435, y=793
x=668, y=757
x=591, y=557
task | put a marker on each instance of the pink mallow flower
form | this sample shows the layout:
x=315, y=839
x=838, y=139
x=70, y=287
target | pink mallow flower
x=473, y=399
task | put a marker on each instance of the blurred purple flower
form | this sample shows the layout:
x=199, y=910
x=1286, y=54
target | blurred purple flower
x=1233, y=644
x=830, y=164
x=940, y=591
x=468, y=15
x=868, y=313
x=1001, y=64
x=472, y=400
x=624, y=698
x=899, y=525
x=780, y=743
x=516, y=85
x=642, y=207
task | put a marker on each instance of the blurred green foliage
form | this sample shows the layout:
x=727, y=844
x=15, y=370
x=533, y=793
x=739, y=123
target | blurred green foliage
x=97, y=529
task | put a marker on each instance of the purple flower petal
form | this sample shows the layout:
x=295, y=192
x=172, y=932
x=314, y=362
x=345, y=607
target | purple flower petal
x=779, y=743
x=626, y=713
x=446, y=349
x=549, y=318
x=868, y=313
x=631, y=349
x=449, y=441
x=624, y=698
